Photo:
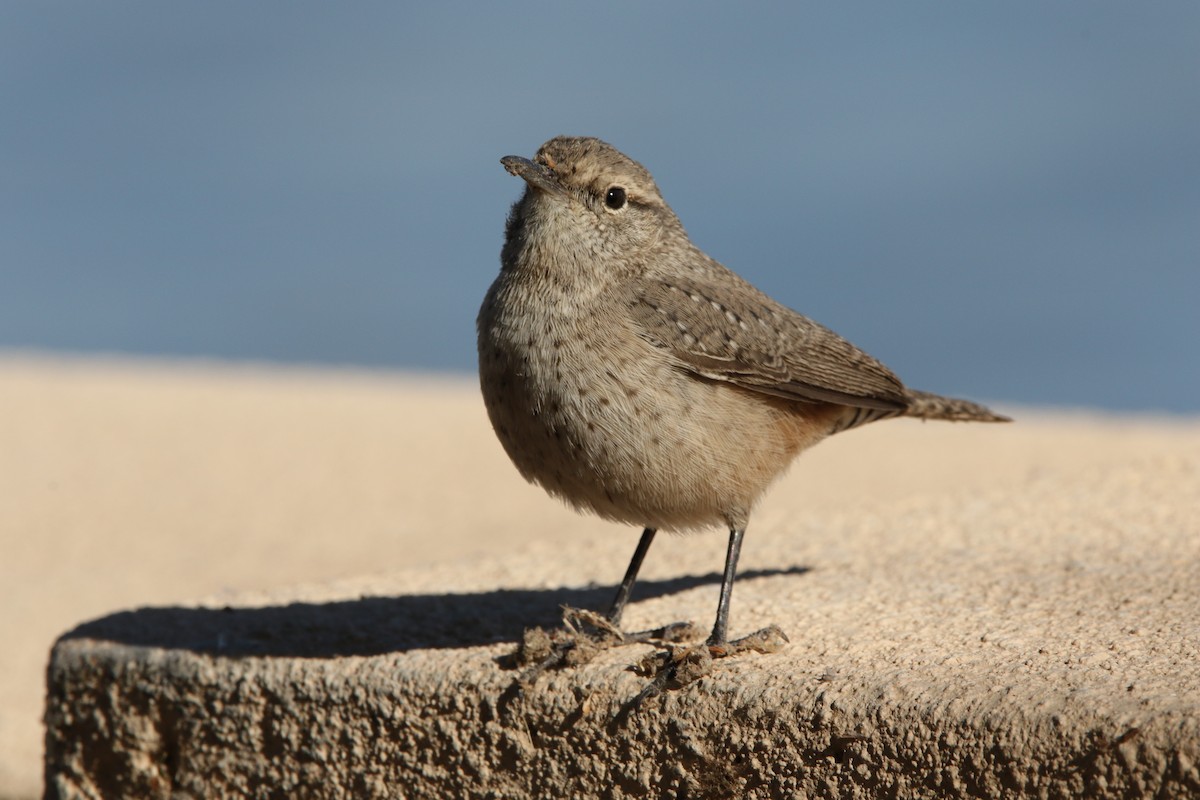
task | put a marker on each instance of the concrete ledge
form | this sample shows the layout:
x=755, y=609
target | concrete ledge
x=1039, y=641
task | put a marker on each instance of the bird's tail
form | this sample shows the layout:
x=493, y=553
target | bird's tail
x=924, y=405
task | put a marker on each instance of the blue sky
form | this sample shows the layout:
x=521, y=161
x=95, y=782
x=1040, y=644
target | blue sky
x=999, y=200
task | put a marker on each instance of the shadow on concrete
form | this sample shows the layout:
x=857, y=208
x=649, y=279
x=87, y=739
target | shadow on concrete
x=370, y=625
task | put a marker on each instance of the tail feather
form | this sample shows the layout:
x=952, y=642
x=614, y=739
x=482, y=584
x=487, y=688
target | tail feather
x=925, y=405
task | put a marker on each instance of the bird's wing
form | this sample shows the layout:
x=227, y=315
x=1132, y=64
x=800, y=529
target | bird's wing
x=732, y=332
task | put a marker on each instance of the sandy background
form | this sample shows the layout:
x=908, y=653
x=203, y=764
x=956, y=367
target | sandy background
x=138, y=483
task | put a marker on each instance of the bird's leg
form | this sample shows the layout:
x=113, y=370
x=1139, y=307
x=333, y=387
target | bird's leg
x=677, y=631
x=585, y=633
x=681, y=665
x=626, y=587
x=718, y=638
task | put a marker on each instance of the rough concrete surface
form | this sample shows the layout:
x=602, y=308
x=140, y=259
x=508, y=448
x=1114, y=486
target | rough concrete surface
x=968, y=648
x=976, y=612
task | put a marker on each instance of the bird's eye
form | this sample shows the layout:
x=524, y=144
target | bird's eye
x=615, y=198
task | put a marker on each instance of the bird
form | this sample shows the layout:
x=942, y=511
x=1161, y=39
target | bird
x=628, y=373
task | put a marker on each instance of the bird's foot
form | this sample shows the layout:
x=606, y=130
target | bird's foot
x=770, y=639
x=583, y=636
x=676, y=666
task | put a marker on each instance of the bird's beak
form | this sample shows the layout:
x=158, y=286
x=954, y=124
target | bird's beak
x=536, y=175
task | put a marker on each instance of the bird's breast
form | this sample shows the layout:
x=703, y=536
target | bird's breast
x=595, y=414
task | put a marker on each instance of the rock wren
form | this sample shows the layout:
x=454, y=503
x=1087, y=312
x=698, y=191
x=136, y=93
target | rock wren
x=631, y=375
